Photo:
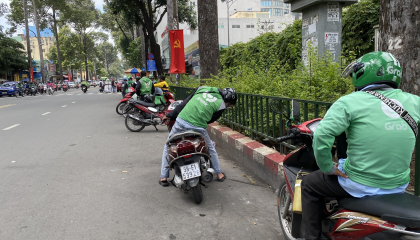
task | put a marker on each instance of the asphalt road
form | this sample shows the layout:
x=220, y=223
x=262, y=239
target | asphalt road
x=70, y=169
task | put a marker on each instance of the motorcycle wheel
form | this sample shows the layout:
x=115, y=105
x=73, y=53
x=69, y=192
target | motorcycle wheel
x=134, y=125
x=120, y=108
x=16, y=94
x=125, y=109
x=197, y=193
x=285, y=223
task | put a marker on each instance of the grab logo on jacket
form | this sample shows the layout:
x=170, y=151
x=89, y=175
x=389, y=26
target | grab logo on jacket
x=388, y=111
x=209, y=97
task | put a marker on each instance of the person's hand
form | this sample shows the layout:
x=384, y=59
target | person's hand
x=164, y=118
x=340, y=173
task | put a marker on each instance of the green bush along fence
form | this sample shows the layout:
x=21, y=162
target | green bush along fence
x=252, y=115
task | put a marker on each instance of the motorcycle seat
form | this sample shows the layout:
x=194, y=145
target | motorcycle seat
x=402, y=209
x=143, y=103
x=189, y=133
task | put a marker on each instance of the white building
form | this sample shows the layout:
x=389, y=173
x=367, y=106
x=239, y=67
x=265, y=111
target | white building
x=247, y=20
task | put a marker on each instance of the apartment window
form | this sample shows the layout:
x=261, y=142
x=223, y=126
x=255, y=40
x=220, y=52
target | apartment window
x=266, y=10
x=192, y=4
x=287, y=5
x=265, y=3
x=236, y=26
x=278, y=12
x=221, y=26
x=43, y=50
x=277, y=4
x=286, y=11
x=249, y=26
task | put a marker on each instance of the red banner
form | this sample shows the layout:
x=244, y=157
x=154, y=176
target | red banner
x=31, y=74
x=69, y=77
x=177, y=51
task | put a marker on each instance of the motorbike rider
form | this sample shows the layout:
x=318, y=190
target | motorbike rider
x=129, y=83
x=380, y=143
x=204, y=106
x=144, y=86
x=21, y=89
x=152, y=78
x=162, y=84
x=41, y=87
x=84, y=84
x=124, y=87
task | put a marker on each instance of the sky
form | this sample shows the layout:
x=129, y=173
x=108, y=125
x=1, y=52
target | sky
x=3, y=22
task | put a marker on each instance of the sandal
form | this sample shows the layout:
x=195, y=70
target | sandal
x=164, y=183
x=223, y=178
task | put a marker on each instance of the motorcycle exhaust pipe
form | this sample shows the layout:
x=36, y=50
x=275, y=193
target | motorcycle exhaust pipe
x=208, y=175
x=145, y=121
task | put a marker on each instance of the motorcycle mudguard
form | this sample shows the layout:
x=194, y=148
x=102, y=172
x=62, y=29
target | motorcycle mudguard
x=124, y=100
x=193, y=182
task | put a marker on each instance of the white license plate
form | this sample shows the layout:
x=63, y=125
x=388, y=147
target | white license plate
x=190, y=171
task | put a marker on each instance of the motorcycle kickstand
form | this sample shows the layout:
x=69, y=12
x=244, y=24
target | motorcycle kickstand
x=155, y=127
x=204, y=185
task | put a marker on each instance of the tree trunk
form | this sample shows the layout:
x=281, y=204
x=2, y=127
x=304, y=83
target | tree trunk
x=143, y=47
x=85, y=51
x=399, y=27
x=60, y=66
x=172, y=25
x=41, y=54
x=209, y=38
x=28, y=43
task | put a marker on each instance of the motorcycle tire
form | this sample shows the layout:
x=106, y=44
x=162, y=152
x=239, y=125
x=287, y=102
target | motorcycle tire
x=120, y=108
x=134, y=125
x=125, y=112
x=285, y=223
x=16, y=94
x=197, y=193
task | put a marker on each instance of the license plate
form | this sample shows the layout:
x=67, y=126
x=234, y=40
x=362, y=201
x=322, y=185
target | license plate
x=190, y=171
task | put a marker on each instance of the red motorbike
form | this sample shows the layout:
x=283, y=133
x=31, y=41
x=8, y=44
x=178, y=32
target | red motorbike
x=393, y=216
x=41, y=89
x=124, y=102
x=65, y=87
x=140, y=114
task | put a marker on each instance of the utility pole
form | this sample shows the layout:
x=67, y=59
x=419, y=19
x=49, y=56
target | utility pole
x=228, y=4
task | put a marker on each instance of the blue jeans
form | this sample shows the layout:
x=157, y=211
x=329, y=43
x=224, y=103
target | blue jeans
x=181, y=126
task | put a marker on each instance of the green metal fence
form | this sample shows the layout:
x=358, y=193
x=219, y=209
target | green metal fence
x=253, y=116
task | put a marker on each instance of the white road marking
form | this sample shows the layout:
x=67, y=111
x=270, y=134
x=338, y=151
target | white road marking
x=64, y=106
x=45, y=113
x=73, y=102
x=90, y=93
x=11, y=127
x=79, y=94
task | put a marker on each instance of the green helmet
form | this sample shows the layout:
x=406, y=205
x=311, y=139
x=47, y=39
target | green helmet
x=374, y=68
x=151, y=76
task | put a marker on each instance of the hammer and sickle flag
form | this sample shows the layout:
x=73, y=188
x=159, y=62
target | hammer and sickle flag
x=177, y=51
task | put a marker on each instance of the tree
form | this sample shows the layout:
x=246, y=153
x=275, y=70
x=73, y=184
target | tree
x=358, y=32
x=209, y=38
x=109, y=53
x=12, y=55
x=399, y=28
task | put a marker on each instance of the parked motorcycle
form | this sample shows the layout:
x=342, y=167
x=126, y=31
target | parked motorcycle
x=123, y=102
x=140, y=114
x=393, y=216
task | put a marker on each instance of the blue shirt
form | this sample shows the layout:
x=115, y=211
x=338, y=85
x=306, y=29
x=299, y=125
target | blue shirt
x=359, y=190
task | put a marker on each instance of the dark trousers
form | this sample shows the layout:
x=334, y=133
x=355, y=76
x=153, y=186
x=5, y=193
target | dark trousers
x=315, y=187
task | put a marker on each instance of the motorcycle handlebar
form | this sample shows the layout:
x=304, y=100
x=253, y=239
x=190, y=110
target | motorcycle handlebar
x=284, y=138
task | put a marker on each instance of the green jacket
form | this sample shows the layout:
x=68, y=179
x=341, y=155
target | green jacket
x=201, y=107
x=146, y=86
x=380, y=143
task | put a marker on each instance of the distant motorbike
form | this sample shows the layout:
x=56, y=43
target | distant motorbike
x=84, y=89
x=50, y=91
x=41, y=89
x=101, y=89
x=33, y=91
x=65, y=88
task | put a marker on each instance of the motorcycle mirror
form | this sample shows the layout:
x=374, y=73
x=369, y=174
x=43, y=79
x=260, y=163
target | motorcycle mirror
x=296, y=110
x=277, y=106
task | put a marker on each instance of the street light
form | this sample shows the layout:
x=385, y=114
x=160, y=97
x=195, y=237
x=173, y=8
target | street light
x=228, y=4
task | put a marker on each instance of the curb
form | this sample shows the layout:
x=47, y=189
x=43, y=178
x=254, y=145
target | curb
x=263, y=161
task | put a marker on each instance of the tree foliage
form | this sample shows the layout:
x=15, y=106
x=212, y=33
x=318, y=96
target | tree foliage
x=12, y=55
x=358, y=22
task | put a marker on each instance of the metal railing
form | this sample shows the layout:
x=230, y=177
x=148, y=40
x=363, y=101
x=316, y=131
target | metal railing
x=253, y=116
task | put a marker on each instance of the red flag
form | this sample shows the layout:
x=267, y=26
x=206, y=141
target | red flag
x=31, y=74
x=69, y=75
x=177, y=51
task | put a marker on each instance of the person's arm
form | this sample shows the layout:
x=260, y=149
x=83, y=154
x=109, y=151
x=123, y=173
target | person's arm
x=138, y=87
x=160, y=85
x=336, y=121
x=153, y=89
x=216, y=116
